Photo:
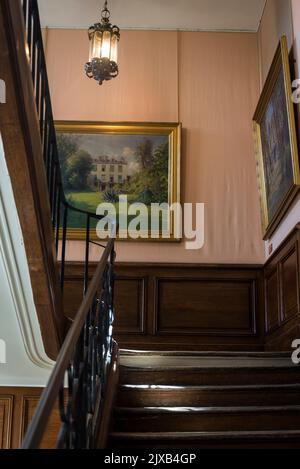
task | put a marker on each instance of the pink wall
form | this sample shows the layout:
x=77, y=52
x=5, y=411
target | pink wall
x=207, y=81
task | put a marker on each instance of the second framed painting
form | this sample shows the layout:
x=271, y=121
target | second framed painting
x=276, y=143
x=105, y=163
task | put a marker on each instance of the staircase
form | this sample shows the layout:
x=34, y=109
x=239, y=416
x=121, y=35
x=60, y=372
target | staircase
x=207, y=400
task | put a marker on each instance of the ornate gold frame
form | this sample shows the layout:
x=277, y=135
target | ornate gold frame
x=173, y=130
x=281, y=60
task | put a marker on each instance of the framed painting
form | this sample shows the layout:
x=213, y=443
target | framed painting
x=275, y=136
x=109, y=163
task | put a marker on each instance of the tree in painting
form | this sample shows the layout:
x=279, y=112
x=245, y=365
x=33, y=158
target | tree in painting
x=99, y=168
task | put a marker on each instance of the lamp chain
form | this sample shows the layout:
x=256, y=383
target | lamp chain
x=105, y=12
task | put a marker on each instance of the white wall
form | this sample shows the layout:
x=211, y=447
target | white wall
x=26, y=362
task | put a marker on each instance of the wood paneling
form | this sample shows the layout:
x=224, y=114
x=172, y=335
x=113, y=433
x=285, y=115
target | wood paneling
x=181, y=306
x=282, y=287
x=30, y=403
x=272, y=303
x=17, y=406
x=290, y=284
x=215, y=306
x=130, y=305
x=6, y=405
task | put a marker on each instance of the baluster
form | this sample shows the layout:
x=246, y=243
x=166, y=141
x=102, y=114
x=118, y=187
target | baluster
x=54, y=194
x=87, y=253
x=58, y=219
x=45, y=140
x=25, y=12
x=29, y=28
x=33, y=50
x=89, y=360
x=63, y=248
x=38, y=78
x=42, y=101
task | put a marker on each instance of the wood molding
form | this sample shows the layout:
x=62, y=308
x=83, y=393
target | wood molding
x=168, y=306
x=282, y=294
x=6, y=412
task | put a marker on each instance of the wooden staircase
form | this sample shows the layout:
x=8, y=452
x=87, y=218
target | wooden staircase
x=207, y=400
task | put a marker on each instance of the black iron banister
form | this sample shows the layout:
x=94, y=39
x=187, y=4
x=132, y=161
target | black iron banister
x=86, y=354
x=59, y=205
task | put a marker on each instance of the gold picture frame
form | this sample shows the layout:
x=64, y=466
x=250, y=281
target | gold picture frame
x=275, y=136
x=88, y=132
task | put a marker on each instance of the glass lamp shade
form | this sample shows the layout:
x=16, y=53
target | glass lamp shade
x=104, y=45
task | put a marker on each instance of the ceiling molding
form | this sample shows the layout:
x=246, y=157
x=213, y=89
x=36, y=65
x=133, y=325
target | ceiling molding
x=167, y=15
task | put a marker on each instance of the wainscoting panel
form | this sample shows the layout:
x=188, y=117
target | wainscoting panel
x=6, y=407
x=272, y=299
x=131, y=305
x=209, y=307
x=282, y=287
x=290, y=284
x=182, y=306
x=17, y=407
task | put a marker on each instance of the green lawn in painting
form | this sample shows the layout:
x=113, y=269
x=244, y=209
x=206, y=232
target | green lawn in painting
x=89, y=201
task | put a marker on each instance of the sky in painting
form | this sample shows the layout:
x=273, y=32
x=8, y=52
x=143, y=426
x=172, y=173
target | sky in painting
x=116, y=146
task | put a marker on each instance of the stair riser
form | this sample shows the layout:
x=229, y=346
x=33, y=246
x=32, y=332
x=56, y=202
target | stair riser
x=189, y=444
x=194, y=398
x=209, y=378
x=188, y=422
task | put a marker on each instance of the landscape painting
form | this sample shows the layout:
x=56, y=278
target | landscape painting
x=102, y=162
x=276, y=143
x=276, y=148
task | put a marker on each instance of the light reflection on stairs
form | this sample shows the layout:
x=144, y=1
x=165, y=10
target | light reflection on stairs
x=203, y=400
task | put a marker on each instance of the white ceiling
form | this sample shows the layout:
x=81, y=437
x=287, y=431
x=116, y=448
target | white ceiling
x=202, y=15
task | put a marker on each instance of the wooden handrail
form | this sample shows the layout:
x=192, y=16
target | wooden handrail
x=40, y=420
x=20, y=131
x=88, y=352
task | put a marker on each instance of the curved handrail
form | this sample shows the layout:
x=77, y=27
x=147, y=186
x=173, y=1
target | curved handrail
x=60, y=206
x=86, y=353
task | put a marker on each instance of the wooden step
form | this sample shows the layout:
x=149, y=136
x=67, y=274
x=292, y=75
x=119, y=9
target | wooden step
x=225, y=354
x=207, y=419
x=202, y=440
x=207, y=360
x=210, y=376
x=193, y=396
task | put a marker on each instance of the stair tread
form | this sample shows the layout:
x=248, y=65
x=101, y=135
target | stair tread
x=189, y=360
x=288, y=367
x=207, y=409
x=254, y=398
x=124, y=352
x=271, y=434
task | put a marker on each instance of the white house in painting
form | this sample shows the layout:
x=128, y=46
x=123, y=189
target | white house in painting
x=108, y=171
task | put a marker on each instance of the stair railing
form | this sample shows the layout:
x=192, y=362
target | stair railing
x=87, y=357
x=82, y=376
x=61, y=209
